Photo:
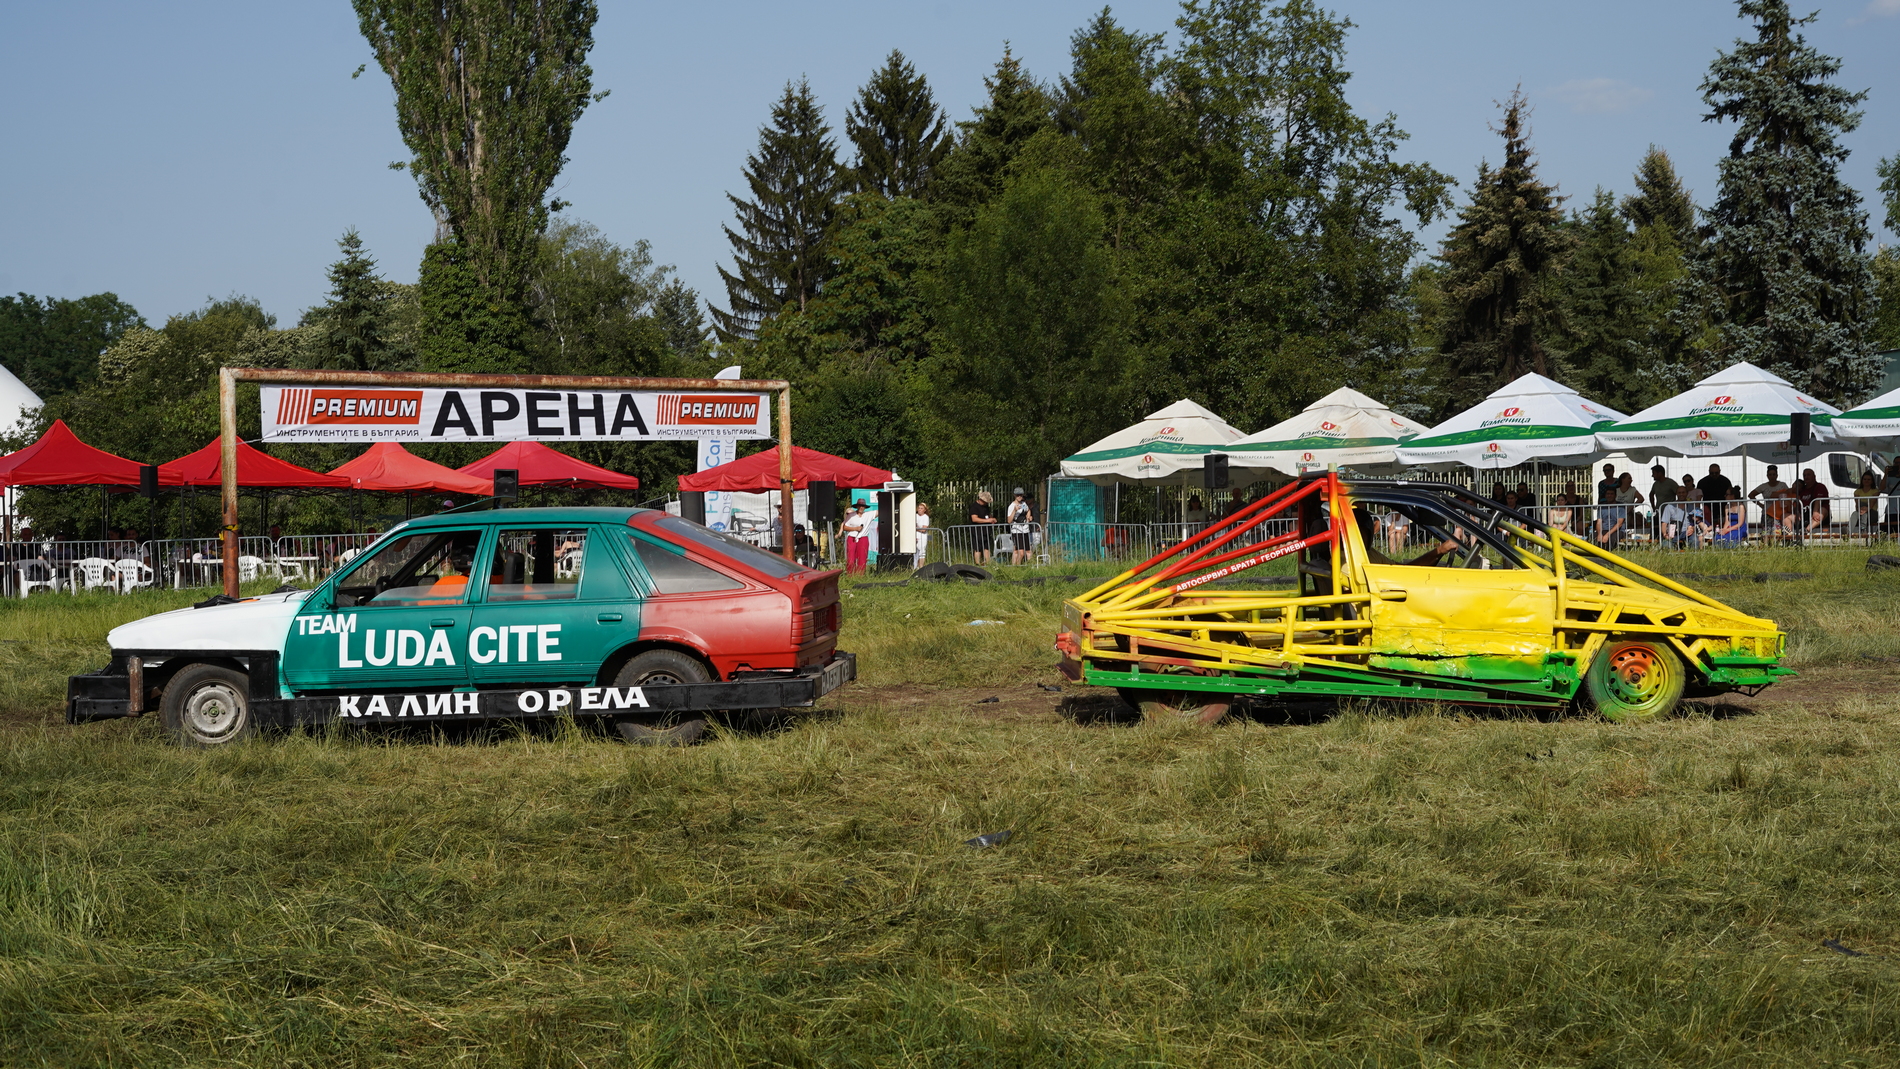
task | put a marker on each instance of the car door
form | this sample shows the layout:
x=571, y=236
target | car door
x=395, y=620
x=1455, y=602
x=555, y=603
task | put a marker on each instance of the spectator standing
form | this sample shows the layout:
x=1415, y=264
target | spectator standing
x=857, y=540
x=1662, y=494
x=1606, y=496
x=1695, y=527
x=1020, y=517
x=923, y=533
x=1526, y=500
x=1716, y=490
x=984, y=521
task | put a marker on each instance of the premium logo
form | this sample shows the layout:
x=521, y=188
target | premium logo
x=690, y=410
x=321, y=406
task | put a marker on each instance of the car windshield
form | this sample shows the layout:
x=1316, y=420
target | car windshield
x=744, y=552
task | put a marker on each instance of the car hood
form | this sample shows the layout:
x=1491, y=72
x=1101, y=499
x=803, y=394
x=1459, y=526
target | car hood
x=258, y=623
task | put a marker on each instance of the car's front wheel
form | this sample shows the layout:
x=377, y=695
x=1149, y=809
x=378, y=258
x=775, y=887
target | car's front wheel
x=208, y=705
x=1633, y=680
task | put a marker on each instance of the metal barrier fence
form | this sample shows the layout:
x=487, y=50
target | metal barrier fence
x=179, y=563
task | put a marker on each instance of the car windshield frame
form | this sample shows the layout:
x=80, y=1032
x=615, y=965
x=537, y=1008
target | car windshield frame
x=740, y=551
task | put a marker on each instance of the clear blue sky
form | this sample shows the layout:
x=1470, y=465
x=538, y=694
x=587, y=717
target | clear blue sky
x=174, y=151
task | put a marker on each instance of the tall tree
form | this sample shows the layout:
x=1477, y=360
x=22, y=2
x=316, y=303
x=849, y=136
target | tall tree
x=353, y=316
x=1500, y=260
x=1015, y=110
x=53, y=344
x=779, y=250
x=487, y=94
x=1889, y=172
x=1660, y=200
x=1783, y=276
x=1601, y=333
x=898, y=130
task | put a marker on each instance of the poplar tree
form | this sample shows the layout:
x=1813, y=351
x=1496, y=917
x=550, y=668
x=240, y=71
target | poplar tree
x=352, y=338
x=1783, y=277
x=487, y=94
x=779, y=251
x=1500, y=259
x=899, y=131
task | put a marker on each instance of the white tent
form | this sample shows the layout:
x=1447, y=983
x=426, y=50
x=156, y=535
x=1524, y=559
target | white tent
x=1343, y=429
x=1532, y=418
x=1163, y=450
x=1740, y=409
x=15, y=400
x=1872, y=427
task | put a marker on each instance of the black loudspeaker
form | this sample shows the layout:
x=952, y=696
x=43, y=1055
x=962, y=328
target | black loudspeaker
x=148, y=481
x=693, y=505
x=1800, y=429
x=1214, y=471
x=821, y=502
x=507, y=484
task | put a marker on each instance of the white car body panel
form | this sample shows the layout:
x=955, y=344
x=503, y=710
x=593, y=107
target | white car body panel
x=260, y=623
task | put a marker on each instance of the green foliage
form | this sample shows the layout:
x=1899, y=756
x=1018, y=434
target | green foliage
x=880, y=254
x=1660, y=200
x=780, y=249
x=1783, y=276
x=1883, y=334
x=593, y=305
x=1016, y=110
x=53, y=344
x=1889, y=172
x=487, y=94
x=466, y=326
x=1034, y=358
x=898, y=131
x=1500, y=260
x=353, y=316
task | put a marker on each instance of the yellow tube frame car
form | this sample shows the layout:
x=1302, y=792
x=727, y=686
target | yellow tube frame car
x=1501, y=610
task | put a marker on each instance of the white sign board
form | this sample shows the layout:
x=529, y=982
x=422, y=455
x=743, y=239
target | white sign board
x=369, y=414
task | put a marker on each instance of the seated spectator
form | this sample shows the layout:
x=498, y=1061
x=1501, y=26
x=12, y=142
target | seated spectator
x=1526, y=499
x=1777, y=503
x=1695, y=522
x=1866, y=517
x=1732, y=529
x=1813, y=497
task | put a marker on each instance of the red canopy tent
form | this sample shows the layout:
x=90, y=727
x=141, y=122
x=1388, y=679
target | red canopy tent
x=388, y=467
x=758, y=473
x=255, y=468
x=59, y=458
x=542, y=466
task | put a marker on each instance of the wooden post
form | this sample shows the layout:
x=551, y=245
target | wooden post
x=785, y=481
x=227, y=465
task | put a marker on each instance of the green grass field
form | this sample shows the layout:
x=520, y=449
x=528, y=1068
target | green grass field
x=1378, y=887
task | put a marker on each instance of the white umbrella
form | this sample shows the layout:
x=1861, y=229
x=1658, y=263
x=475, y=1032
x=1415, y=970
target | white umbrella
x=1740, y=409
x=1343, y=429
x=1532, y=418
x=1163, y=450
x=1872, y=427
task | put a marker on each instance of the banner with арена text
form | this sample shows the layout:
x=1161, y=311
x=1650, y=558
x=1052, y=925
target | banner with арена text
x=373, y=414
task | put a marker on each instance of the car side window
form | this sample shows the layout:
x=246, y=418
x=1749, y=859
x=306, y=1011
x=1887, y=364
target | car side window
x=537, y=564
x=673, y=573
x=426, y=568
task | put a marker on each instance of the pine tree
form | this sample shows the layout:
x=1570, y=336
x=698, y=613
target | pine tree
x=1889, y=172
x=780, y=249
x=1783, y=277
x=1500, y=259
x=1017, y=110
x=1601, y=332
x=899, y=131
x=1660, y=200
x=353, y=338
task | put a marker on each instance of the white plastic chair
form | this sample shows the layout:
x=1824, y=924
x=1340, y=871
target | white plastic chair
x=133, y=574
x=249, y=568
x=35, y=575
x=90, y=574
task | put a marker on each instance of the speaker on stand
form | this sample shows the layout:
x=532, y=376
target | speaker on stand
x=821, y=507
x=693, y=506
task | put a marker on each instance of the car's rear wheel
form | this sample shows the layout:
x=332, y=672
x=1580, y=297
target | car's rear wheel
x=661, y=668
x=208, y=705
x=1177, y=706
x=1633, y=680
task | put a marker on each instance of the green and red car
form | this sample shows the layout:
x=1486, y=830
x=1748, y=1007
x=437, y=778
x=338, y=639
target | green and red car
x=630, y=615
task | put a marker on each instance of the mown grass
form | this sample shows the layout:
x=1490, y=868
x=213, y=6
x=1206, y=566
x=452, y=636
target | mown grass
x=1378, y=888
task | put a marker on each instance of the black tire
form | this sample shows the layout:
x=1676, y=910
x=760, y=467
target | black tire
x=208, y=705
x=1632, y=680
x=658, y=668
x=1177, y=706
x=970, y=573
x=933, y=570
